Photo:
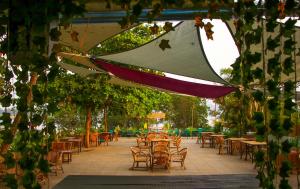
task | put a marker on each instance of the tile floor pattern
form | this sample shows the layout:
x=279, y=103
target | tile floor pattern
x=116, y=159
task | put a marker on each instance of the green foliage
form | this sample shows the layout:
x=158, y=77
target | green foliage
x=273, y=120
x=187, y=111
x=124, y=41
x=25, y=47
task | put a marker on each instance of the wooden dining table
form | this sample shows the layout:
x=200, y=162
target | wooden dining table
x=206, y=136
x=77, y=142
x=232, y=140
x=248, y=146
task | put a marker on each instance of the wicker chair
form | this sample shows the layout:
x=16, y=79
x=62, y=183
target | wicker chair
x=161, y=156
x=222, y=144
x=142, y=144
x=176, y=143
x=139, y=157
x=179, y=157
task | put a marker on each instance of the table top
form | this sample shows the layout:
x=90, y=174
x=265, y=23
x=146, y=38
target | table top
x=161, y=140
x=74, y=140
x=67, y=138
x=254, y=143
x=218, y=135
x=237, y=139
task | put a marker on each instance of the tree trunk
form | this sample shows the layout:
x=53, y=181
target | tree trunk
x=105, y=119
x=88, y=124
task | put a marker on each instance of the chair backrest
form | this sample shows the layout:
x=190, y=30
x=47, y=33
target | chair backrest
x=160, y=147
x=58, y=146
x=134, y=151
x=68, y=145
x=54, y=157
x=150, y=137
x=183, y=153
x=220, y=140
x=178, y=141
x=93, y=137
x=163, y=135
x=139, y=141
x=104, y=136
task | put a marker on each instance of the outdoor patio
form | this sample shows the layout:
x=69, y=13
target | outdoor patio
x=116, y=160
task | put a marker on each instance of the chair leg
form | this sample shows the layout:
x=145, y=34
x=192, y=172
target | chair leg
x=132, y=167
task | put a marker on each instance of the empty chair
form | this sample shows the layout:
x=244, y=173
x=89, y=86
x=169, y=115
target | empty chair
x=176, y=143
x=161, y=156
x=139, y=157
x=104, y=138
x=222, y=144
x=179, y=156
x=66, y=154
x=54, y=159
x=58, y=146
x=94, y=138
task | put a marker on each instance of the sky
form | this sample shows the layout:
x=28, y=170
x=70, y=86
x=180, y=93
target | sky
x=221, y=52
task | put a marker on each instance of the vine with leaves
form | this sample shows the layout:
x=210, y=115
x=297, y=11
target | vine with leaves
x=26, y=69
x=274, y=121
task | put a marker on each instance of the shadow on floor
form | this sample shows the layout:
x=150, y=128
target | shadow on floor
x=238, y=181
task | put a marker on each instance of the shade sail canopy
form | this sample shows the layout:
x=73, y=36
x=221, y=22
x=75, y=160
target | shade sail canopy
x=184, y=87
x=185, y=56
x=84, y=36
x=258, y=48
x=80, y=59
x=77, y=69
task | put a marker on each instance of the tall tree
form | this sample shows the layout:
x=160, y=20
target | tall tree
x=188, y=111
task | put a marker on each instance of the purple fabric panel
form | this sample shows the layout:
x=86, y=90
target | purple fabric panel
x=184, y=87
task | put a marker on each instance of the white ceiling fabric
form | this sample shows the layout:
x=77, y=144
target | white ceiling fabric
x=186, y=56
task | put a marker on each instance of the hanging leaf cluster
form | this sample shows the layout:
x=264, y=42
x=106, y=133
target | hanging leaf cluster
x=24, y=45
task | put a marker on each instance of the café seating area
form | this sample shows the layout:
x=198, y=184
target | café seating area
x=158, y=151
x=245, y=147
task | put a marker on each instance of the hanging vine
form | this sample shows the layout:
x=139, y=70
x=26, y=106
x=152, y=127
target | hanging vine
x=274, y=121
x=26, y=66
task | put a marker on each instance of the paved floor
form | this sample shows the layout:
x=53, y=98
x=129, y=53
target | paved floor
x=116, y=159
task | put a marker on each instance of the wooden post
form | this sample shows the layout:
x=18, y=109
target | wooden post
x=88, y=125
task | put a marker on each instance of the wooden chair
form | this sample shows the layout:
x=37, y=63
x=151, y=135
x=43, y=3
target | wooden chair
x=94, y=138
x=58, y=146
x=139, y=157
x=179, y=157
x=104, y=138
x=161, y=156
x=222, y=144
x=176, y=143
x=66, y=154
x=55, y=162
x=142, y=144
x=206, y=139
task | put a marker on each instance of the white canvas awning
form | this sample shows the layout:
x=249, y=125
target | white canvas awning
x=88, y=35
x=185, y=56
